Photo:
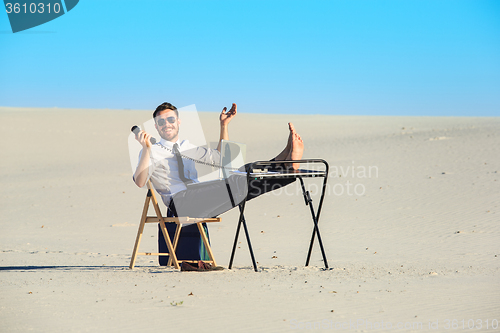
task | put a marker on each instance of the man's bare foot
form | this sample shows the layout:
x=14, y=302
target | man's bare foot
x=290, y=138
x=297, y=150
x=285, y=154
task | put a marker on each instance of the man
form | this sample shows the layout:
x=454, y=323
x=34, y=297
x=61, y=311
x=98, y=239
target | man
x=171, y=166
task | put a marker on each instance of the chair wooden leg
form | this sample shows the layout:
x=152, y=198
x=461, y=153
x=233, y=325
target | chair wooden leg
x=139, y=232
x=205, y=241
x=176, y=240
x=171, y=251
x=165, y=233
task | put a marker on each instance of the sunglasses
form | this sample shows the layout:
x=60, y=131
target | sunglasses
x=161, y=121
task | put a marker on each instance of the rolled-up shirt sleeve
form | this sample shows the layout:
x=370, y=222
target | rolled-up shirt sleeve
x=211, y=156
x=204, y=155
x=151, y=166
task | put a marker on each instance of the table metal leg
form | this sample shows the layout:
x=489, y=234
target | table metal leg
x=315, y=218
x=240, y=222
x=234, y=244
x=249, y=245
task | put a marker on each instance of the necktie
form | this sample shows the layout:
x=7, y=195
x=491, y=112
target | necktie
x=180, y=164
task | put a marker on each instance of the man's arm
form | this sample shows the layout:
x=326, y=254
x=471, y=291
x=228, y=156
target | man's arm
x=141, y=173
x=225, y=118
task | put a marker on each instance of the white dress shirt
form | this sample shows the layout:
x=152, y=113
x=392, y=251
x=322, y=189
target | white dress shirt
x=164, y=170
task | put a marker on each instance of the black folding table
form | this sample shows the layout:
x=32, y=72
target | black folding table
x=300, y=174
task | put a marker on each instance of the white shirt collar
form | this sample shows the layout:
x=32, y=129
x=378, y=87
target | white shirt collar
x=170, y=144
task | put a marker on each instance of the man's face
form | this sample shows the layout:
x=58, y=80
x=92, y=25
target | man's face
x=167, y=129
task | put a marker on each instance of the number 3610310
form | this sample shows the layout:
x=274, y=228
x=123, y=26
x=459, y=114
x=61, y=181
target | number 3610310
x=32, y=8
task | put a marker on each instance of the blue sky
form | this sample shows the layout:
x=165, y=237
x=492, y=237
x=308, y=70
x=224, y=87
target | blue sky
x=375, y=57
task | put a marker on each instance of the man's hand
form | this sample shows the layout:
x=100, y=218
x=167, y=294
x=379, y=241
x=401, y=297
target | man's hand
x=225, y=117
x=144, y=139
x=141, y=173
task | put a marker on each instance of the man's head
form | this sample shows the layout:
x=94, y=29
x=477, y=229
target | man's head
x=167, y=121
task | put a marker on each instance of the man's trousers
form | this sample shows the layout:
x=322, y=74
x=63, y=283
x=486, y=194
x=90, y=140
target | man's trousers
x=210, y=199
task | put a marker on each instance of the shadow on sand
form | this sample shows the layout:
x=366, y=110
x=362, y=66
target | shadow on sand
x=150, y=269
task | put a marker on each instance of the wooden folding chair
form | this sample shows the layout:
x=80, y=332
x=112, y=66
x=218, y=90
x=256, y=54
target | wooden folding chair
x=159, y=218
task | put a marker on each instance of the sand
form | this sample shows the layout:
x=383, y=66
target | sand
x=411, y=236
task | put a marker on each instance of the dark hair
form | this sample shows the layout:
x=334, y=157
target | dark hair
x=165, y=106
